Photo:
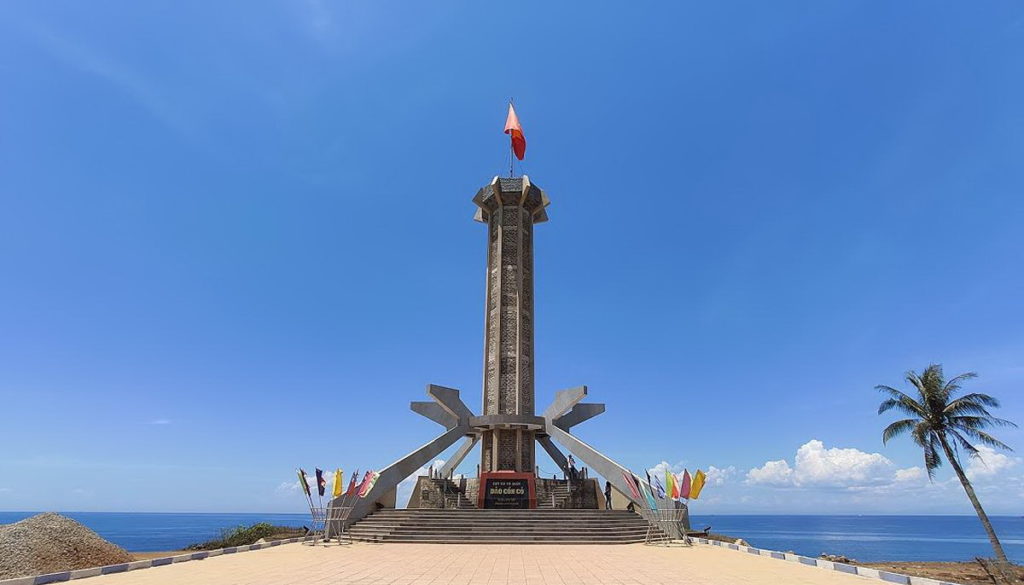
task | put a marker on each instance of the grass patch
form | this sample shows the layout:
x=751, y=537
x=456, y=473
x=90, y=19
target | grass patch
x=243, y=535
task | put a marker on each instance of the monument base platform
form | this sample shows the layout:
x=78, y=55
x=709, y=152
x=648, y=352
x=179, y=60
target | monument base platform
x=474, y=526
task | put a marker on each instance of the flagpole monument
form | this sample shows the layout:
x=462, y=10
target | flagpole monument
x=508, y=427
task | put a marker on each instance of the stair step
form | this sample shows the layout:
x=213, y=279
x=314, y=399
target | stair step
x=471, y=525
x=510, y=526
x=437, y=539
x=407, y=529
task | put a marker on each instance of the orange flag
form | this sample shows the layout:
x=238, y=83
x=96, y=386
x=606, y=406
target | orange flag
x=515, y=130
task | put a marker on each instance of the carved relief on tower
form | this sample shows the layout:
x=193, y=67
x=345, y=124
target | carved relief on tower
x=527, y=447
x=526, y=386
x=507, y=383
x=486, y=451
x=507, y=450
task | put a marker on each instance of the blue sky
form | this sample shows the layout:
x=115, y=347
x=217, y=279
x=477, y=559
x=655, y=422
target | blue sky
x=237, y=238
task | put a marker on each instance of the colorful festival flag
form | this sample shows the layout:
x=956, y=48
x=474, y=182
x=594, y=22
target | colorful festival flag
x=697, y=485
x=362, y=484
x=639, y=485
x=371, y=478
x=660, y=488
x=671, y=486
x=339, y=482
x=321, y=482
x=352, y=484
x=303, y=481
x=651, y=503
x=684, y=488
x=515, y=130
x=632, y=486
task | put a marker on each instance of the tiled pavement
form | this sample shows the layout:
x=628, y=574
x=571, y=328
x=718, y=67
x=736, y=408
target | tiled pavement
x=467, y=564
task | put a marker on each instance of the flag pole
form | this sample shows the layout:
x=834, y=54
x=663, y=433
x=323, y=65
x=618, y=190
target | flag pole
x=305, y=484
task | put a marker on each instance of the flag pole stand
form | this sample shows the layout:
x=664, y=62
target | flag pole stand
x=338, y=515
x=316, y=530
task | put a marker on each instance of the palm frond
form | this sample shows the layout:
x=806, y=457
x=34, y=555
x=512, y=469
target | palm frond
x=920, y=434
x=898, y=428
x=953, y=386
x=919, y=384
x=900, y=401
x=984, y=438
x=932, y=461
x=979, y=422
x=963, y=443
x=964, y=407
x=978, y=398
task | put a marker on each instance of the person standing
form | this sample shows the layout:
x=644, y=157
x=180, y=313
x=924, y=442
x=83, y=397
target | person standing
x=608, y=495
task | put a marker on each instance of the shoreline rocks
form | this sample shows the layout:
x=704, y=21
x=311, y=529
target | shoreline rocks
x=837, y=558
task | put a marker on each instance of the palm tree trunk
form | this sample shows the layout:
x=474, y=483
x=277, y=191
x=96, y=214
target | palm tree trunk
x=998, y=548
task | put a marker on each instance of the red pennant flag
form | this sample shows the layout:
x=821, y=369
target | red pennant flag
x=361, y=490
x=632, y=486
x=352, y=483
x=684, y=490
x=515, y=130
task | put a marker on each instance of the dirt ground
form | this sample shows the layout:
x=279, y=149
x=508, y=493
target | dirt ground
x=968, y=573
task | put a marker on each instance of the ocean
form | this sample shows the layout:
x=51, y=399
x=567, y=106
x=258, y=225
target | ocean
x=142, y=532
x=873, y=538
x=864, y=538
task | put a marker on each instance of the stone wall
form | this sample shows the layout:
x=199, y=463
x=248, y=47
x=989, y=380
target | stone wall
x=433, y=493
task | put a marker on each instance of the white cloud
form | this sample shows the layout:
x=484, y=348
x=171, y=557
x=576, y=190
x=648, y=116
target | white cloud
x=660, y=469
x=911, y=475
x=287, y=488
x=989, y=462
x=771, y=473
x=718, y=476
x=160, y=421
x=6, y=490
x=817, y=466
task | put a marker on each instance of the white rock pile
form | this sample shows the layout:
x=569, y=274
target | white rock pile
x=51, y=543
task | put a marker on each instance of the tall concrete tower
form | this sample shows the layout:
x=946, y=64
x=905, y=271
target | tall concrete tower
x=510, y=207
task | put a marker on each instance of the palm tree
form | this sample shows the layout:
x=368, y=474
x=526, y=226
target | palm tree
x=941, y=421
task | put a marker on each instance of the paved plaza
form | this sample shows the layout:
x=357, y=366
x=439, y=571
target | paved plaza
x=468, y=564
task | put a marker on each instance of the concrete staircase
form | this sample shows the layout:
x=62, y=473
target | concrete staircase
x=454, y=497
x=474, y=526
x=552, y=494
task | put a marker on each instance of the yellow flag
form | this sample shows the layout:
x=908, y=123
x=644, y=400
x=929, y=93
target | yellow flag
x=338, y=481
x=697, y=485
x=670, y=485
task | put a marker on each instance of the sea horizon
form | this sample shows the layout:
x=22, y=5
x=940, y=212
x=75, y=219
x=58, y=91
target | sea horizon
x=863, y=537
